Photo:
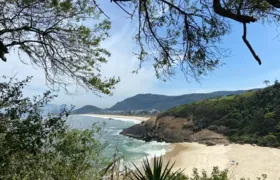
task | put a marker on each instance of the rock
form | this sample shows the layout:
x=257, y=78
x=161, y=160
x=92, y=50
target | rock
x=170, y=129
x=210, y=143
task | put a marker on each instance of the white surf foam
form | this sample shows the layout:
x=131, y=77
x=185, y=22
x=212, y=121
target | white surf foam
x=112, y=118
x=156, y=152
x=151, y=149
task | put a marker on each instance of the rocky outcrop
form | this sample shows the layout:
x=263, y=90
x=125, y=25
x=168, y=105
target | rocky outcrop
x=171, y=129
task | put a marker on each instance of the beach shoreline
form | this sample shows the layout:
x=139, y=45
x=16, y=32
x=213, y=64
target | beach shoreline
x=246, y=161
x=241, y=161
x=112, y=116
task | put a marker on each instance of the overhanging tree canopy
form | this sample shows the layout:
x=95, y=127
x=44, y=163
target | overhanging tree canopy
x=172, y=33
x=52, y=34
x=187, y=32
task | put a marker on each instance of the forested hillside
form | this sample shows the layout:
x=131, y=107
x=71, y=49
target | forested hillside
x=252, y=117
x=162, y=102
x=149, y=102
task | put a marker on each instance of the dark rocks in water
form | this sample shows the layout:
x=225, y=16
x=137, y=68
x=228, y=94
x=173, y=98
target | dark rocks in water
x=139, y=131
x=171, y=129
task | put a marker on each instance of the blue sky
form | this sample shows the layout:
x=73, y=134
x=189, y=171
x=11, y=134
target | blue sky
x=240, y=71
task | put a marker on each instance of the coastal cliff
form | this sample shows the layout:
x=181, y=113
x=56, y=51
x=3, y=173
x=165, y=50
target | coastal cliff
x=172, y=129
x=249, y=118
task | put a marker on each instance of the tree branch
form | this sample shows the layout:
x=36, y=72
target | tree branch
x=14, y=30
x=274, y=3
x=116, y=1
x=97, y=6
x=153, y=33
x=228, y=14
x=249, y=45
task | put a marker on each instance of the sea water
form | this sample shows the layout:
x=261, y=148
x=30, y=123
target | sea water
x=132, y=150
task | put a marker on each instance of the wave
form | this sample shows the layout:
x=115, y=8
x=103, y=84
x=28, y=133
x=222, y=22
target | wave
x=117, y=132
x=160, y=151
x=133, y=150
x=155, y=153
x=112, y=118
x=151, y=149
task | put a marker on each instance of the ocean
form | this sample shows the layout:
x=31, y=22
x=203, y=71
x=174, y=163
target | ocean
x=132, y=150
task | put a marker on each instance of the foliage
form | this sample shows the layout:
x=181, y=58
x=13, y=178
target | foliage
x=155, y=170
x=148, y=173
x=36, y=147
x=252, y=117
x=53, y=35
x=187, y=34
x=58, y=36
x=215, y=175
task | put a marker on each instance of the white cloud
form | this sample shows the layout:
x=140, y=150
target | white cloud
x=120, y=64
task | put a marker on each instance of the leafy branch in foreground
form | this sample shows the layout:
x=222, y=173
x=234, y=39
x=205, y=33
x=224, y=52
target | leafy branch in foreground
x=56, y=35
x=53, y=35
x=37, y=147
x=187, y=34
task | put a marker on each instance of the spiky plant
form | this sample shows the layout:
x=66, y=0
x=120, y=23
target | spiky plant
x=155, y=171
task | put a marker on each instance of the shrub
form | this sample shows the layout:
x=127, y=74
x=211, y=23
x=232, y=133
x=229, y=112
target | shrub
x=37, y=147
x=269, y=140
x=188, y=126
x=156, y=171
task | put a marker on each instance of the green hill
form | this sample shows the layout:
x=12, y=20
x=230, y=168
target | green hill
x=162, y=102
x=252, y=117
x=87, y=109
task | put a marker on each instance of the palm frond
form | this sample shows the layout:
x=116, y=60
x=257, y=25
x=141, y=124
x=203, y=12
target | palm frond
x=155, y=171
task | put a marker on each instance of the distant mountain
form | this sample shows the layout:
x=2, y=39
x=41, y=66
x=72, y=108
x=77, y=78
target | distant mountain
x=87, y=109
x=162, y=102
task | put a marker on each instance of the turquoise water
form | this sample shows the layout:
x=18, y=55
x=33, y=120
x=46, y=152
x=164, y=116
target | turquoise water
x=132, y=150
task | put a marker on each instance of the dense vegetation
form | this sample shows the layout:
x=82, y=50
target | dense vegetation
x=252, y=117
x=33, y=146
x=53, y=35
x=185, y=35
x=162, y=102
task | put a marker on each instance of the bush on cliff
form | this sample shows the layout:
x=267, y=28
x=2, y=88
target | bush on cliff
x=252, y=117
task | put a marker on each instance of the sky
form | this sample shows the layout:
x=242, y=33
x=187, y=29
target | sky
x=239, y=72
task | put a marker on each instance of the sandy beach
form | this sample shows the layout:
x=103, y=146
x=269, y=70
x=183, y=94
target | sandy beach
x=139, y=118
x=242, y=161
x=249, y=161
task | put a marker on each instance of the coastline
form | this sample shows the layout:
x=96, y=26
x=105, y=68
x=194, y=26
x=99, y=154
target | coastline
x=120, y=117
x=246, y=161
x=253, y=161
